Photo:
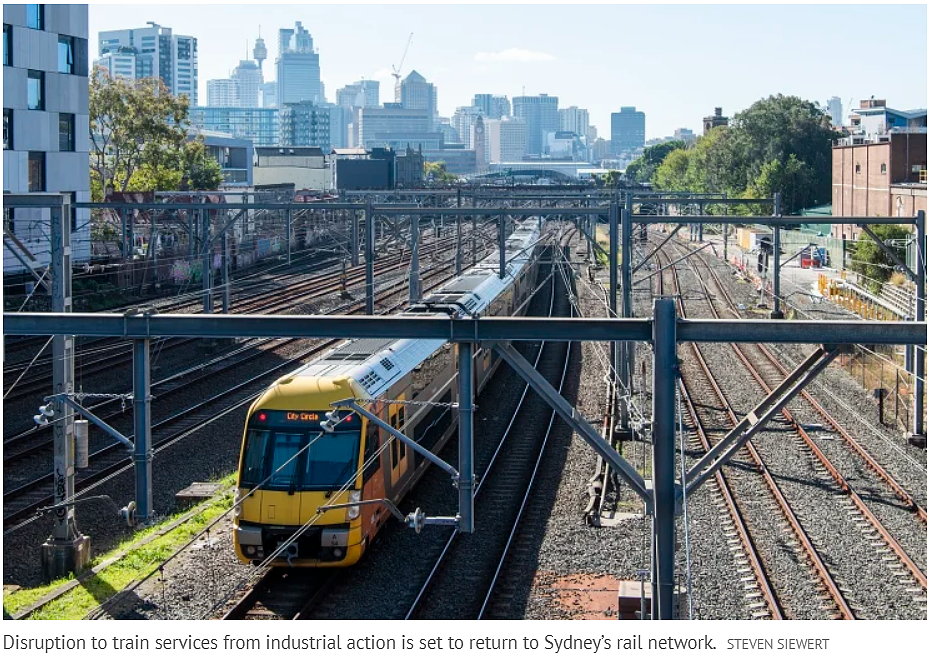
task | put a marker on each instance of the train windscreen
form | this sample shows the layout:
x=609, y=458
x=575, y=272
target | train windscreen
x=280, y=457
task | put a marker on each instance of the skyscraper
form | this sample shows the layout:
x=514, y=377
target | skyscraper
x=491, y=106
x=576, y=120
x=541, y=116
x=505, y=139
x=361, y=94
x=298, y=71
x=305, y=124
x=464, y=122
x=627, y=129
x=158, y=54
x=416, y=93
x=222, y=93
x=835, y=110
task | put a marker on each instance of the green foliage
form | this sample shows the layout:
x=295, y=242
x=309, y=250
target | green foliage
x=437, y=171
x=611, y=179
x=201, y=171
x=870, y=261
x=779, y=144
x=139, y=139
x=643, y=168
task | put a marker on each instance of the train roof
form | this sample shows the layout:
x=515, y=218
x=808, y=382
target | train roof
x=376, y=364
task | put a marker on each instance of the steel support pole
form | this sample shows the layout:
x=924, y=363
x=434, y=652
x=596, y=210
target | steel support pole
x=663, y=457
x=776, y=264
x=626, y=286
x=354, y=238
x=225, y=272
x=458, y=251
x=465, y=480
x=207, y=267
x=473, y=238
x=66, y=550
x=502, y=245
x=142, y=430
x=415, y=283
x=615, y=347
x=917, y=427
x=368, y=255
x=124, y=248
x=288, y=236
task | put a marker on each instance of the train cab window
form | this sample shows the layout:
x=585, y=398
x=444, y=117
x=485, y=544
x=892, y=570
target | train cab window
x=284, y=448
x=332, y=460
x=254, y=457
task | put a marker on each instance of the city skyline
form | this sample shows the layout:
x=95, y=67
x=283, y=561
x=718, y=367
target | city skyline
x=547, y=50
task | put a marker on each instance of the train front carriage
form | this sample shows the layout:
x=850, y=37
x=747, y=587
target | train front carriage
x=289, y=468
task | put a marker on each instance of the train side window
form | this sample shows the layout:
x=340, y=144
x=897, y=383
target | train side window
x=394, y=442
x=371, y=449
x=401, y=428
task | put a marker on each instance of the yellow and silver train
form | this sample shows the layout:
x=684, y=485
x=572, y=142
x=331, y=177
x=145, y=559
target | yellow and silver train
x=288, y=415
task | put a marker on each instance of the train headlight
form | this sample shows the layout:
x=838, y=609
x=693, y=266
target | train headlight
x=354, y=511
x=237, y=511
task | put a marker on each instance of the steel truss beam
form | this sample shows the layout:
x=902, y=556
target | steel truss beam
x=737, y=437
x=889, y=252
x=575, y=420
x=485, y=329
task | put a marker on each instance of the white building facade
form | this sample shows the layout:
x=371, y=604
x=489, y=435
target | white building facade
x=506, y=139
x=159, y=54
x=45, y=124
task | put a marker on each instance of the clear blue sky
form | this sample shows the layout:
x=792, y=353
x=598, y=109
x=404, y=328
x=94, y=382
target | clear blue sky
x=674, y=62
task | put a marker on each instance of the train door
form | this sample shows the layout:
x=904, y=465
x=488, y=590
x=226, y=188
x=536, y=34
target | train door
x=398, y=452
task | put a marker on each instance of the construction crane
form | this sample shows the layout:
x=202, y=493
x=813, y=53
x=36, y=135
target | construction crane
x=397, y=71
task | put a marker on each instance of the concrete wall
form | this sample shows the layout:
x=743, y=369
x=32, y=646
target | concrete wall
x=302, y=178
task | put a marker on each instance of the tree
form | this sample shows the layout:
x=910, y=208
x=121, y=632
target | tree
x=201, y=171
x=438, y=171
x=641, y=170
x=611, y=178
x=779, y=144
x=138, y=134
x=870, y=261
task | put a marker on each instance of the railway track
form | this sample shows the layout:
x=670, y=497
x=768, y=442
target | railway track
x=711, y=411
x=283, y=593
x=473, y=563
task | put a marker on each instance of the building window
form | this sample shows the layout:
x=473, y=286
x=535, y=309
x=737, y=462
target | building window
x=36, y=171
x=35, y=17
x=35, y=90
x=66, y=132
x=7, y=128
x=9, y=219
x=7, y=45
x=857, y=168
x=883, y=169
x=66, y=54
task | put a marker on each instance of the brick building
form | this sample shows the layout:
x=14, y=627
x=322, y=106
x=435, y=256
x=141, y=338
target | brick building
x=885, y=175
